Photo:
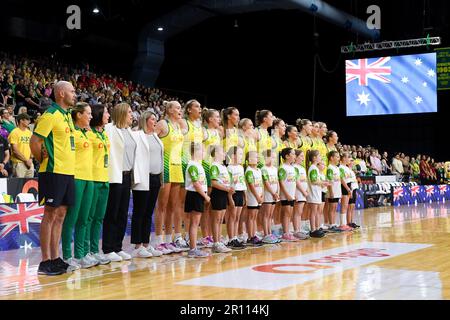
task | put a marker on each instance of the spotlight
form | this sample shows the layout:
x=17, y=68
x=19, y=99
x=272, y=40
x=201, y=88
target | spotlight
x=95, y=10
x=160, y=29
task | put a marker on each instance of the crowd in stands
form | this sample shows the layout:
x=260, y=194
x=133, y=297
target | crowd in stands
x=26, y=87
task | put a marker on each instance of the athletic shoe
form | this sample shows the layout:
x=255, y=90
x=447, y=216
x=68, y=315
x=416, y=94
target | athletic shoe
x=254, y=242
x=49, y=269
x=91, y=257
x=323, y=230
x=270, y=240
x=235, y=244
x=154, y=252
x=220, y=248
x=260, y=235
x=287, y=237
x=59, y=263
x=353, y=225
x=300, y=236
x=87, y=262
x=162, y=247
x=317, y=234
x=101, y=258
x=172, y=247
x=345, y=228
x=335, y=229
x=73, y=263
x=200, y=243
x=224, y=240
x=275, y=238
x=181, y=244
x=113, y=257
x=141, y=252
x=124, y=255
x=243, y=238
x=197, y=253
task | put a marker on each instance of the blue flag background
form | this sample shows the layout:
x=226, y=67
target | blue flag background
x=412, y=87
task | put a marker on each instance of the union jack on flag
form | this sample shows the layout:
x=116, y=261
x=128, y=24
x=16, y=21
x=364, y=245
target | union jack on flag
x=443, y=189
x=429, y=190
x=363, y=71
x=415, y=190
x=398, y=193
x=19, y=216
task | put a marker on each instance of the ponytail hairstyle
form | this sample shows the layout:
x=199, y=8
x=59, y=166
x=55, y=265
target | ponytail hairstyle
x=288, y=130
x=277, y=122
x=329, y=135
x=331, y=154
x=243, y=122
x=298, y=152
x=207, y=114
x=284, y=153
x=310, y=155
x=188, y=106
x=344, y=156
x=80, y=107
x=225, y=113
x=260, y=115
x=301, y=123
x=168, y=105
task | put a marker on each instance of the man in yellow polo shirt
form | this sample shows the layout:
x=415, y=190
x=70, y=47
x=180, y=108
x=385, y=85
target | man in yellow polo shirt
x=20, y=145
x=53, y=145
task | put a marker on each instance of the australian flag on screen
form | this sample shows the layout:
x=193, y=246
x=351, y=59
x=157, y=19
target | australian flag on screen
x=391, y=85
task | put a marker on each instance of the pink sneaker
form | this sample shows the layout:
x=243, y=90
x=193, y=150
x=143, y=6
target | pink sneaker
x=287, y=237
x=345, y=228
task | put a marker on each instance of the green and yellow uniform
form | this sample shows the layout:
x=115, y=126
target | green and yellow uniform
x=212, y=139
x=305, y=144
x=55, y=126
x=20, y=138
x=265, y=143
x=78, y=214
x=173, y=147
x=193, y=134
x=100, y=163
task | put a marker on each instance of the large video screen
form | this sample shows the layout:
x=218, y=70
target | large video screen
x=391, y=85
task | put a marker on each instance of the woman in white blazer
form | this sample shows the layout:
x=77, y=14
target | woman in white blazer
x=124, y=171
x=151, y=150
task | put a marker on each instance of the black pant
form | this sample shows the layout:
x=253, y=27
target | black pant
x=144, y=203
x=116, y=216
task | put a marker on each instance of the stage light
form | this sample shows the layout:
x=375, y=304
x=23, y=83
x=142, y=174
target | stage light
x=95, y=10
x=160, y=29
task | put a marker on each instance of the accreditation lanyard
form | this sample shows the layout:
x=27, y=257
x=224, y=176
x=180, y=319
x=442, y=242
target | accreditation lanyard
x=101, y=136
x=72, y=138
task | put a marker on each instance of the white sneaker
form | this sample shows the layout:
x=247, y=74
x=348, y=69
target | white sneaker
x=114, y=257
x=124, y=255
x=181, y=244
x=224, y=240
x=172, y=247
x=220, y=248
x=73, y=264
x=162, y=248
x=101, y=258
x=141, y=252
x=94, y=260
x=154, y=252
x=86, y=263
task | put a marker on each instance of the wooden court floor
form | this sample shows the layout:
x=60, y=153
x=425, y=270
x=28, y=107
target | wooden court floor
x=399, y=253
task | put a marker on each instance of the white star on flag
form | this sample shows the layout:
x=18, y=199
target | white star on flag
x=431, y=73
x=419, y=100
x=405, y=80
x=418, y=62
x=363, y=98
x=26, y=246
x=425, y=84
